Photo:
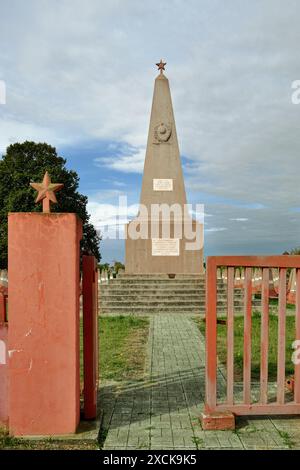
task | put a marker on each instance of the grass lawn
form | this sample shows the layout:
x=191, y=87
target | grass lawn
x=238, y=345
x=122, y=349
x=273, y=303
x=122, y=342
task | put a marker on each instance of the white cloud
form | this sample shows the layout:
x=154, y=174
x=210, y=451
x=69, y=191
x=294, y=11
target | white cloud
x=85, y=72
x=132, y=163
x=120, y=184
x=108, y=217
x=240, y=219
x=215, y=229
x=16, y=131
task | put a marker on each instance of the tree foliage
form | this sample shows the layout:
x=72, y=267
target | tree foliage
x=295, y=251
x=118, y=265
x=27, y=162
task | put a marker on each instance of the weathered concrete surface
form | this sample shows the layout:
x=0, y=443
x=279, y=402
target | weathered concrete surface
x=43, y=257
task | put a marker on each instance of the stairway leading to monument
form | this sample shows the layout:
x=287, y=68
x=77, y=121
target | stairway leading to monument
x=151, y=294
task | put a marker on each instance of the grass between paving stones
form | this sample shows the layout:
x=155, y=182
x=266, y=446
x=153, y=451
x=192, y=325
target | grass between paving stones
x=287, y=439
x=244, y=429
x=122, y=356
x=239, y=344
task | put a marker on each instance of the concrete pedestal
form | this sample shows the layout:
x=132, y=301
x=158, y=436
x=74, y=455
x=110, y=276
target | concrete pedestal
x=217, y=421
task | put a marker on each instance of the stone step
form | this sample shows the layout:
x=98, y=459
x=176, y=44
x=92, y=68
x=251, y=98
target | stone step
x=164, y=293
x=157, y=306
x=104, y=287
x=153, y=304
x=126, y=296
x=141, y=282
x=153, y=312
x=159, y=276
x=150, y=293
x=150, y=310
x=162, y=303
x=162, y=287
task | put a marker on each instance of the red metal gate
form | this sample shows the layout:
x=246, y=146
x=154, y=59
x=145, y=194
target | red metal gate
x=215, y=410
x=90, y=334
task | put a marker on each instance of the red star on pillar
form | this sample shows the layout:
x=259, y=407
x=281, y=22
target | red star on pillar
x=46, y=191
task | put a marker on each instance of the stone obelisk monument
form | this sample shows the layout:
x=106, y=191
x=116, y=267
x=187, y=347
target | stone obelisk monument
x=163, y=239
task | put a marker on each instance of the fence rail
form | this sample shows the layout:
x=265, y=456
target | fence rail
x=247, y=406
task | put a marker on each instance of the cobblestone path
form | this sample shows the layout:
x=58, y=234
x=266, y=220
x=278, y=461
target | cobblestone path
x=162, y=410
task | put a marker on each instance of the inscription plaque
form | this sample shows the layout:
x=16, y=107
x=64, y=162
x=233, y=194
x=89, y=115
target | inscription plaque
x=162, y=185
x=165, y=246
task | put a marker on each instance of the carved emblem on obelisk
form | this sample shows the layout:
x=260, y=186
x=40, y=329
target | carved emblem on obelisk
x=162, y=132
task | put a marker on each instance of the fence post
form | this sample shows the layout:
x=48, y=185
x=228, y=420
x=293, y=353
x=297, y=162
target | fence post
x=90, y=334
x=210, y=418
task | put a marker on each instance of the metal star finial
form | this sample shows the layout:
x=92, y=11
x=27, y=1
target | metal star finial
x=46, y=191
x=161, y=65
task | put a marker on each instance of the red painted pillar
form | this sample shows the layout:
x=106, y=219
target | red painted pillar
x=3, y=374
x=2, y=307
x=43, y=335
x=90, y=334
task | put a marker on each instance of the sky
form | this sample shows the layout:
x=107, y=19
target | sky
x=79, y=75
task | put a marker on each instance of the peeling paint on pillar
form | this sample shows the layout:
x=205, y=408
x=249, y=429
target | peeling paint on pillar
x=43, y=337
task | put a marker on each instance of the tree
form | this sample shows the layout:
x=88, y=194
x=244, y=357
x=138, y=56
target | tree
x=104, y=267
x=117, y=266
x=27, y=162
x=295, y=251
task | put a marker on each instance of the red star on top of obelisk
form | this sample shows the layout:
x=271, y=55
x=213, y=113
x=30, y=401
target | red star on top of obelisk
x=161, y=65
x=46, y=191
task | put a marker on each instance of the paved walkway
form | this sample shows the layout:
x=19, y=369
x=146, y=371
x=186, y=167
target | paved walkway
x=161, y=411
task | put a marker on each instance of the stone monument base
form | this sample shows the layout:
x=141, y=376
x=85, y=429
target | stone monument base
x=163, y=255
x=150, y=294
